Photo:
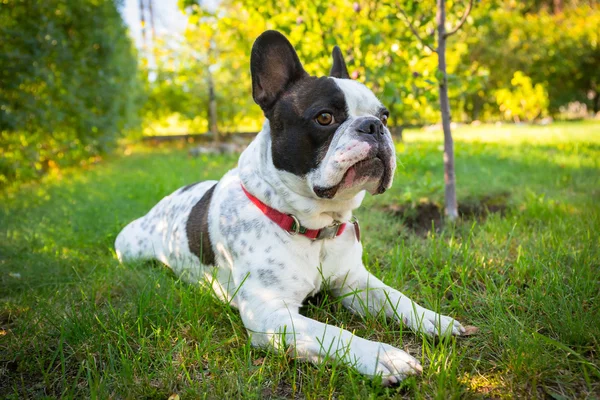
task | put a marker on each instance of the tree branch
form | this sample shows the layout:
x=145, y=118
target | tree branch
x=413, y=30
x=461, y=22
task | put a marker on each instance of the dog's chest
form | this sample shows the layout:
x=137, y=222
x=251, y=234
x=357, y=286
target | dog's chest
x=320, y=261
x=297, y=258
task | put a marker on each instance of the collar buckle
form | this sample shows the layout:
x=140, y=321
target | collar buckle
x=329, y=232
x=296, y=227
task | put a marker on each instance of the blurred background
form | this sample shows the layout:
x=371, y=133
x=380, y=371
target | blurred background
x=78, y=76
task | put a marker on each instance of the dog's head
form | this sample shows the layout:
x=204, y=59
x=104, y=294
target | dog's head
x=329, y=132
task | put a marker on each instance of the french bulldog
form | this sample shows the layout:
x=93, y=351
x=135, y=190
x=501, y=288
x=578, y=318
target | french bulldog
x=272, y=231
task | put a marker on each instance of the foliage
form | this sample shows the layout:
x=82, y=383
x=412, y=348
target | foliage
x=498, y=39
x=69, y=83
x=210, y=44
x=383, y=55
x=76, y=324
x=70, y=86
x=524, y=101
x=559, y=51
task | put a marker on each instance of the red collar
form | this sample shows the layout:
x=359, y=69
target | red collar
x=290, y=223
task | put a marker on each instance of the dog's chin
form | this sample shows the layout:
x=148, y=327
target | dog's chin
x=370, y=175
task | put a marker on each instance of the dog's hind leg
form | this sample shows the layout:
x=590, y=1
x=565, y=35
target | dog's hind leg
x=135, y=242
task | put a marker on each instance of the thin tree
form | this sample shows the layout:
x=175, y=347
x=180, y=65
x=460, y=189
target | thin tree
x=213, y=126
x=451, y=206
x=152, y=30
x=143, y=23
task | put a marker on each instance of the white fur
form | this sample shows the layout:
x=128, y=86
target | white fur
x=360, y=99
x=267, y=273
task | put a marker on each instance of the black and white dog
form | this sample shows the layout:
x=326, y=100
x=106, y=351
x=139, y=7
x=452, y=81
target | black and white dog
x=271, y=231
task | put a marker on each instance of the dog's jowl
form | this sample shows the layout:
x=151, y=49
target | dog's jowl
x=267, y=234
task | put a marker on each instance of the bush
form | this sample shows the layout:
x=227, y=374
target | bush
x=561, y=51
x=68, y=74
x=524, y=101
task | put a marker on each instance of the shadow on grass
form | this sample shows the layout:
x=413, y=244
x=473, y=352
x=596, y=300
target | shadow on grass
x=425, y=216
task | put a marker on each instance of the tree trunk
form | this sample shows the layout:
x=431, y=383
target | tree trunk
x=212, y=109
x=477, y=106
x=143, y=23
x=557, y=6
x=451, y=208
x=151, y=14
x=152, y=30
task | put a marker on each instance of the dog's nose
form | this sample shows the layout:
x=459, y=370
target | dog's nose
x=371, y=126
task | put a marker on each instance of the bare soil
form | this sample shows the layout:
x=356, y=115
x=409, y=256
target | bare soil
x=426, y=216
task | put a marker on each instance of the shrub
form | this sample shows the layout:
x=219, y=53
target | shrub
x=524, y=101
x=68, y=74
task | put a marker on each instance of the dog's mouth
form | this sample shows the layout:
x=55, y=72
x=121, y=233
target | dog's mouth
x=371, y=173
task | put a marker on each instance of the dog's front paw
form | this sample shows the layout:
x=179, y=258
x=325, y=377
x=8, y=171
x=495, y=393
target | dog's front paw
x=434, y=324
x=392, y=364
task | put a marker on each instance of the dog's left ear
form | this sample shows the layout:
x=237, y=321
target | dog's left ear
x=339, y=69
x=275, y=67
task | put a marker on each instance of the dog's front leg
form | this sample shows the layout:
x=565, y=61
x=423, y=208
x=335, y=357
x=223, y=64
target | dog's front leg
x=363, y=293
x=273, y=322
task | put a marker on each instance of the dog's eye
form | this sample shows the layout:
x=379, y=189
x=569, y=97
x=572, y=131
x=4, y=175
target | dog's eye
x=384, y=119
x=325, y=119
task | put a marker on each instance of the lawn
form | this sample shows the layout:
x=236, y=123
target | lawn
x=75, y=323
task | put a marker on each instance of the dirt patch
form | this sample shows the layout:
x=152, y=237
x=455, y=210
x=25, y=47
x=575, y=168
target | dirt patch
x=483, y=206
x=281, y=391
x=426, y=216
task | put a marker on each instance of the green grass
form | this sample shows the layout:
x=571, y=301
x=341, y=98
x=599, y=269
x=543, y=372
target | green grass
x=75, y=323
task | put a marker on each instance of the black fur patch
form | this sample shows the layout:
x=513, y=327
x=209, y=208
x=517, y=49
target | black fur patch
x=292, y=100
x=197, y=229
x=298, y=141
x=188, y=187
x=274, y=66
x=339, y=69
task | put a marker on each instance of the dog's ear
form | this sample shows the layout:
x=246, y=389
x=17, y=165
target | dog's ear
x=275, y=67
x=339, y=69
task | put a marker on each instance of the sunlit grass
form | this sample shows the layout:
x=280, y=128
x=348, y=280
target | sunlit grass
x=511, y=134
x=176, y=124
x=75, y=323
